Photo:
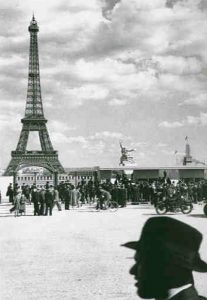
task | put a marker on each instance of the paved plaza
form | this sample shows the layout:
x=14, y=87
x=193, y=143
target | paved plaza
x=76, y=254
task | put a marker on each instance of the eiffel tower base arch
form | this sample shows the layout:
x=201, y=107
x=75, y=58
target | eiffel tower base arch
x=48, y=161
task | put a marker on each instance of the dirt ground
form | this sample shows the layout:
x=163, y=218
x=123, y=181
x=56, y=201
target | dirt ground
x=76, y=254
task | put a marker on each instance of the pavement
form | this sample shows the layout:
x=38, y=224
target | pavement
x=76, y=254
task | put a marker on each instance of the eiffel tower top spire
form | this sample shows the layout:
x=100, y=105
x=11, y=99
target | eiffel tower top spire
x=33, y=24
x=34, y=107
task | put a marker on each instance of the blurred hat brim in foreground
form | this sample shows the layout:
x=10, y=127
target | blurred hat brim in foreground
x=131, y=245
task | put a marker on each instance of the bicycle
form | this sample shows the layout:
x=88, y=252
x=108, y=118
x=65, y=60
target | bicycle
x=108, y=205
x=111, y=205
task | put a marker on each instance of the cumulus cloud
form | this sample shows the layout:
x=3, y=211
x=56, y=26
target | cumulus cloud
x=78, y=95
x=10, y=121
x=59, y=126
x=197, y=100
x=167, y=124
x=172, y=3
x=179, y=65
x=107, y=134
x=117, y=102
x=200, y=120
x=107, y=7
x=76, y=6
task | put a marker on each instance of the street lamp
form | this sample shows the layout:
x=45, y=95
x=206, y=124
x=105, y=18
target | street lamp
x=35, y=177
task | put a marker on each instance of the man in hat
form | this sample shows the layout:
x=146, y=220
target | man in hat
x=166, y=255
x=35, y=199
x=49, y=200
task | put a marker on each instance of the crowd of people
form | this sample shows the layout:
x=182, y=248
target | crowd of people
x=45, y=198
x=122, y=191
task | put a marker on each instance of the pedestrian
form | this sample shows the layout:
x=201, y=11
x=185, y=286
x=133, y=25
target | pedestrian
x=103, y=198
x=27, y=194
x=57, y=199
x=67, y=197
x=42, y=202
x=166, y=255
x=35, y=200
x=15, y=192
x=10, y=193
x=122, y=196
x=17, y=199
x=75, y=197
x=49, y=200
x=22, y=204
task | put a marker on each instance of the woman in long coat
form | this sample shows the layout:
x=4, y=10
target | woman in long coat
x=17, y=200
x=22, y=204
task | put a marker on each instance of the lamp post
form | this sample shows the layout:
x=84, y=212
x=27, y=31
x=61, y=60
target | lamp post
x=14, y=178
x=35, y=177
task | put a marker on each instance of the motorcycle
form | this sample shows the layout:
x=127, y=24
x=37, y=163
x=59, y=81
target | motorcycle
x=173, y=203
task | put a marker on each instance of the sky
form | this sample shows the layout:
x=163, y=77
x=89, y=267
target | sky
x=133, y=71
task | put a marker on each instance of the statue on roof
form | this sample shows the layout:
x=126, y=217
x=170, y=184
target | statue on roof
x=125, y=157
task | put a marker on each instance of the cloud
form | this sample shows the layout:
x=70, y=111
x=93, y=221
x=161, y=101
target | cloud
x=10, y=121
x=179, y=65
x=161, y=145
x=167, y=124
x=98, y=143
x=200, y=120
x=108, y=7
x=117, y=102
x=9, y=16
x=59, y=126
x=79, y=95
x=77, y=6
x=197, y=100
x=107, y=69
x=203, y=5
x=107, y=134
x=172, y=3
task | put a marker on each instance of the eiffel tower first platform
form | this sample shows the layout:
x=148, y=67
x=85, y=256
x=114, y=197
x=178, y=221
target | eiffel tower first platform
x=34, y=120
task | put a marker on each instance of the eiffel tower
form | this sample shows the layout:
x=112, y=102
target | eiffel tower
x=34, y=120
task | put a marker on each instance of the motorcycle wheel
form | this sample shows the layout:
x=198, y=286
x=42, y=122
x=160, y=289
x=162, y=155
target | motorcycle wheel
x=186, y=208
x=161, y=209
x=205, y=209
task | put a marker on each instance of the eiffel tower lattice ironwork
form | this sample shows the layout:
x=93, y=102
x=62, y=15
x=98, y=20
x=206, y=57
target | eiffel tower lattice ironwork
x=34, y=120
